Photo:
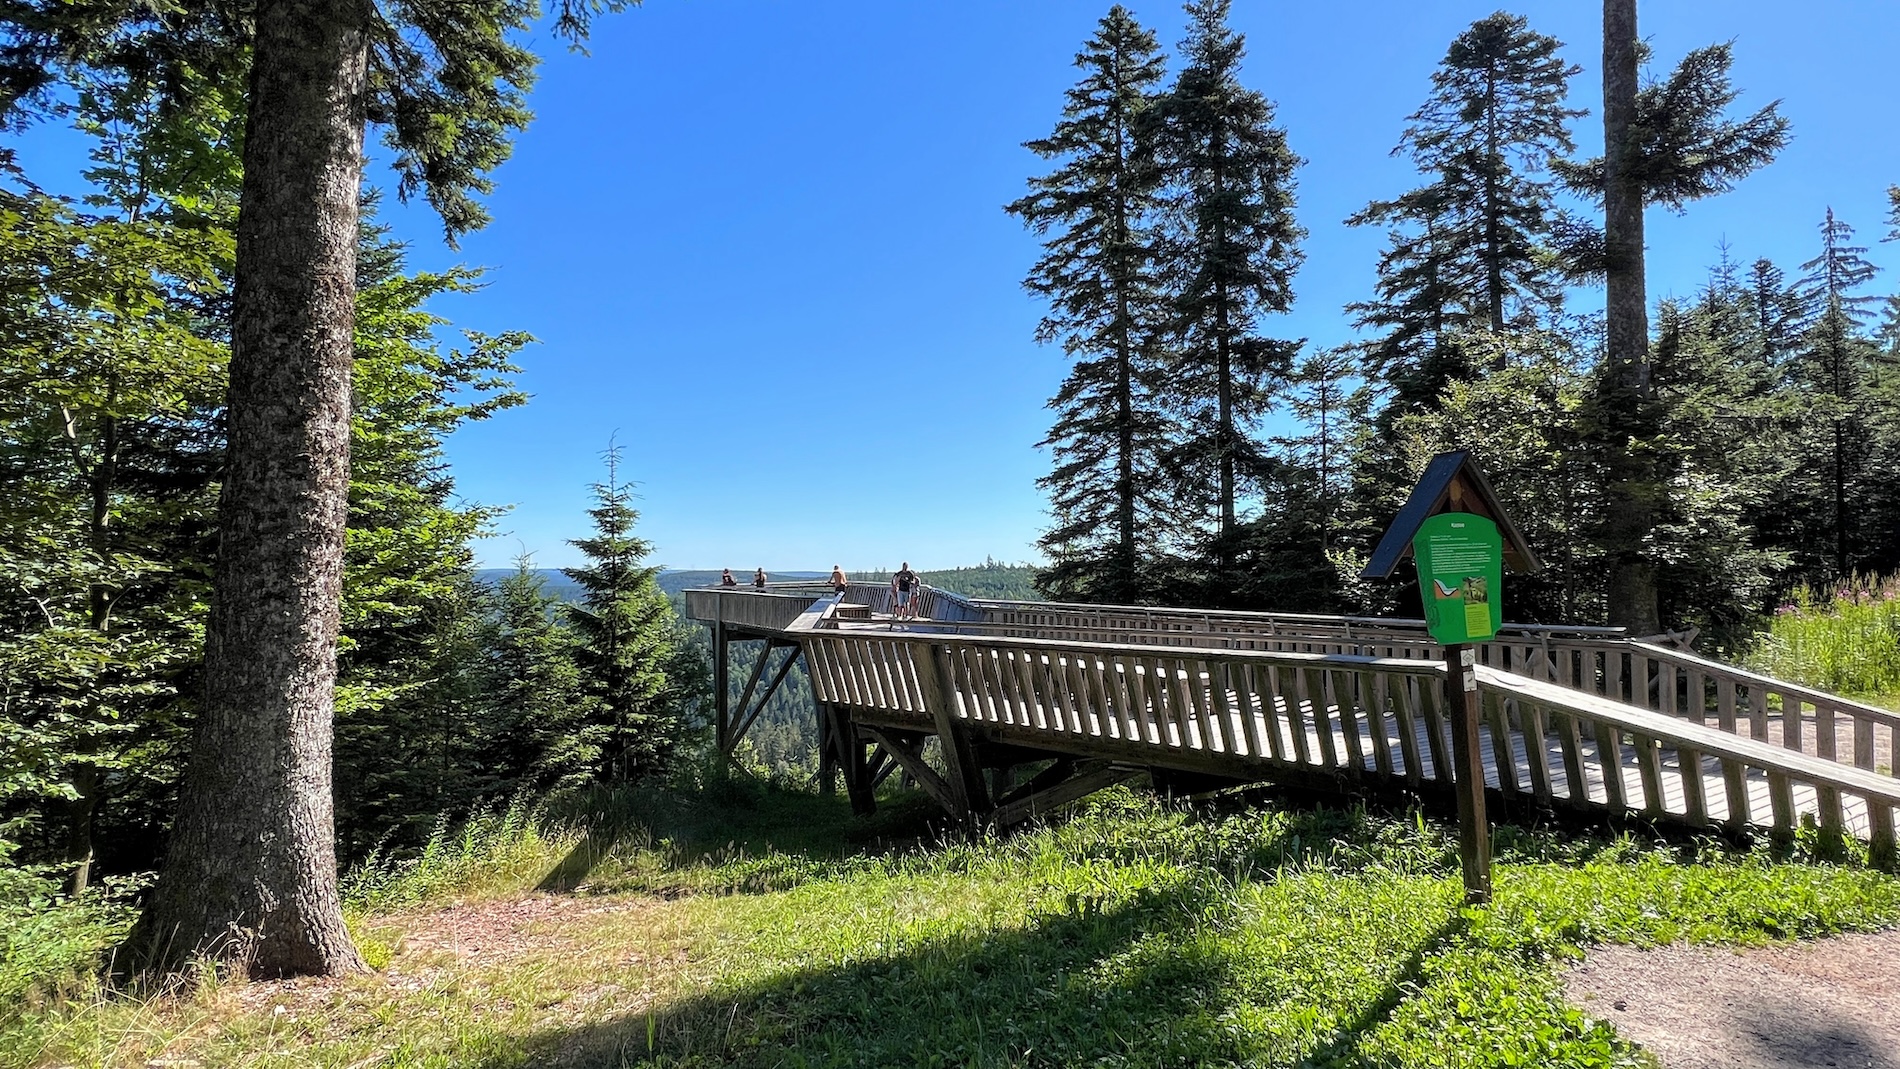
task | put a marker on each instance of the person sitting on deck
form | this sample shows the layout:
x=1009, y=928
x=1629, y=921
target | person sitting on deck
x=837, y=580
x=758, y=579
x=903, y=584
x=726, y=579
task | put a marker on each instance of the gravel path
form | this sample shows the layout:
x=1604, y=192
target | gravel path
x=1831, y=1002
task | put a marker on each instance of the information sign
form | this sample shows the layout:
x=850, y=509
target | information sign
x=1461, y=574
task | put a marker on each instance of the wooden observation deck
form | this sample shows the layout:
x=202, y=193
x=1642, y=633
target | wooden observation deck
x=1575, y=718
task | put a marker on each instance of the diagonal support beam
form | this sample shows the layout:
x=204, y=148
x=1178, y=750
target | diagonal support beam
x=911, y=757
x=1085, y=782
x=746, y=717
x=959, y=753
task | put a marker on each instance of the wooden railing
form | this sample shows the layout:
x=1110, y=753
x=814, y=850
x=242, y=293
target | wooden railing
x=1587, y=750
x=1246, y=713
x=772, y=609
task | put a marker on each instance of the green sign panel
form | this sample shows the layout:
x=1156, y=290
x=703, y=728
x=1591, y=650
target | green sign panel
x=1461, y=572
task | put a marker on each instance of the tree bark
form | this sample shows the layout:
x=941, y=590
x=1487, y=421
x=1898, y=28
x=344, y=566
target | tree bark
x=250, y=880
x=1625, y=394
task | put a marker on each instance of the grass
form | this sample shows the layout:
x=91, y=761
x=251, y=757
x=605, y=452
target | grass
x=750, y=927
x=1845, y=639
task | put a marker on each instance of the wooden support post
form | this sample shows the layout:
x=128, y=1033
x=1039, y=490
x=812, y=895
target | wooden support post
x=827, y=754
x=1474, y=834
x=722, y=668
x=959, y=754
x=857, y=773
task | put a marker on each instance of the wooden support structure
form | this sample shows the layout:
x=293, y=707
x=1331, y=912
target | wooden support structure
x=1559, y=718
x=1474, y=830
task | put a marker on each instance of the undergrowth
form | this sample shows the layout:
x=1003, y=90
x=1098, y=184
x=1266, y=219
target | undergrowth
x=741, y=925
x=1844, y=639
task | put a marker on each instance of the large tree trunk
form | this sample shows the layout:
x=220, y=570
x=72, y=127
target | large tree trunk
x=250, y=879
x=1625, y=395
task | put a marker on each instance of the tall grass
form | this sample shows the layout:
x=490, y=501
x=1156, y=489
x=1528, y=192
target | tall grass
x=504, y=849
x=1844, y=638
x=52, y=948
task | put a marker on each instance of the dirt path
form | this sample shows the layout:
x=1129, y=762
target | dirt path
x=1832, y=1002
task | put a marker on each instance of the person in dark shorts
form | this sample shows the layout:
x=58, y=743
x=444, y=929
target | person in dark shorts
x=903, y=593
x=758, y=579
x=837, y=580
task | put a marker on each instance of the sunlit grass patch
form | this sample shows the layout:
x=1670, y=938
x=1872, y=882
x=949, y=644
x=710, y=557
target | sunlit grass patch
x=749, y=928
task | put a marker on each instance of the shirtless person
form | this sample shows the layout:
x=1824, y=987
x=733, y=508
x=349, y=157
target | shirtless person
x=837, y=580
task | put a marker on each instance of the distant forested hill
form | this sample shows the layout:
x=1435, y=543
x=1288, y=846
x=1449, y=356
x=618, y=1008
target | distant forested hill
x=987, y=580
x=672, y=580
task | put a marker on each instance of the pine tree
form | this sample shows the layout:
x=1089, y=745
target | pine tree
x=538, y=736
x=1231, y=247
x=1835, y=364
x=1095, y=212
x=627, y=640
x=1333, y=408
x=1666, y=143
x=256, y=885
x=1472, y=248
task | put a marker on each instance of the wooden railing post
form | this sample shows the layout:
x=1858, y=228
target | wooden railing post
x=1462, y=706
x=965, y=777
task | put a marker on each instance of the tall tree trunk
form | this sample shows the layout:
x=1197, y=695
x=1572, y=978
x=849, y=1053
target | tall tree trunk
x=1493, y=212
x=1625, y=396
x=1125, y=557
x=82, y=810
x=251, y=879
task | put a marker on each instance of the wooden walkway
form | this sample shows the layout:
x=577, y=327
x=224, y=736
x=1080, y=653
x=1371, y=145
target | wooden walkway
x=1575, y=718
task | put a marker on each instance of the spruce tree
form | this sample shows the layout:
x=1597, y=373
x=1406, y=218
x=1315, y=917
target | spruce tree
x=1473, y=247
x=1665, y=143
x=537, y=734
x=1095, y=213
x=627, y=640
x=1835, y=364
x=255, y=885
x=1230, y=249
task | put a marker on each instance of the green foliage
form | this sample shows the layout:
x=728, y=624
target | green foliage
x=740, y=925
x=1843, y=638
x=641, y=692
x=51, y=948
x=1097, y=214
x=1474, y=247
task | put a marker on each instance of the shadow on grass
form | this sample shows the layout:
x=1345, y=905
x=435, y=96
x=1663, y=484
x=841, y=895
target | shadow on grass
x=1147, y=981
x=728, y=821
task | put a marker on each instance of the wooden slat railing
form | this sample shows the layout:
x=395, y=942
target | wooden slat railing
x=1599, y=662
x=1245, y=713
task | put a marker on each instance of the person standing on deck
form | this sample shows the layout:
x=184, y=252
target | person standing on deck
x=837, y=580
x=758, y=579
x=903, y=586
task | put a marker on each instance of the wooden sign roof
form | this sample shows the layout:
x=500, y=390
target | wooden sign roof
x=1450, y=483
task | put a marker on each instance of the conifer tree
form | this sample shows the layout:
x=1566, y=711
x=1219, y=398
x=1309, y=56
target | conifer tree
x=1473, y=247
x=1835, y=365
x=1095, y=212
x=1230, y=249
x=538, y=736
x=1666, y=143
x=256, y=885
x=626, y=632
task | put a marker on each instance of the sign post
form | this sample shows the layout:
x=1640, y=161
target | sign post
x=1454, y=528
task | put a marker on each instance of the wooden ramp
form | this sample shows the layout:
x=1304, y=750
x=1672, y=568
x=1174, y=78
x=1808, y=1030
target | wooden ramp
x=1577, y=718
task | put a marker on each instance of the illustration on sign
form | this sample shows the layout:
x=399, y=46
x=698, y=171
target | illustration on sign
x=1460, y=571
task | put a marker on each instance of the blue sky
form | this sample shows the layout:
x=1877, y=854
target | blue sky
x=763, y=246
